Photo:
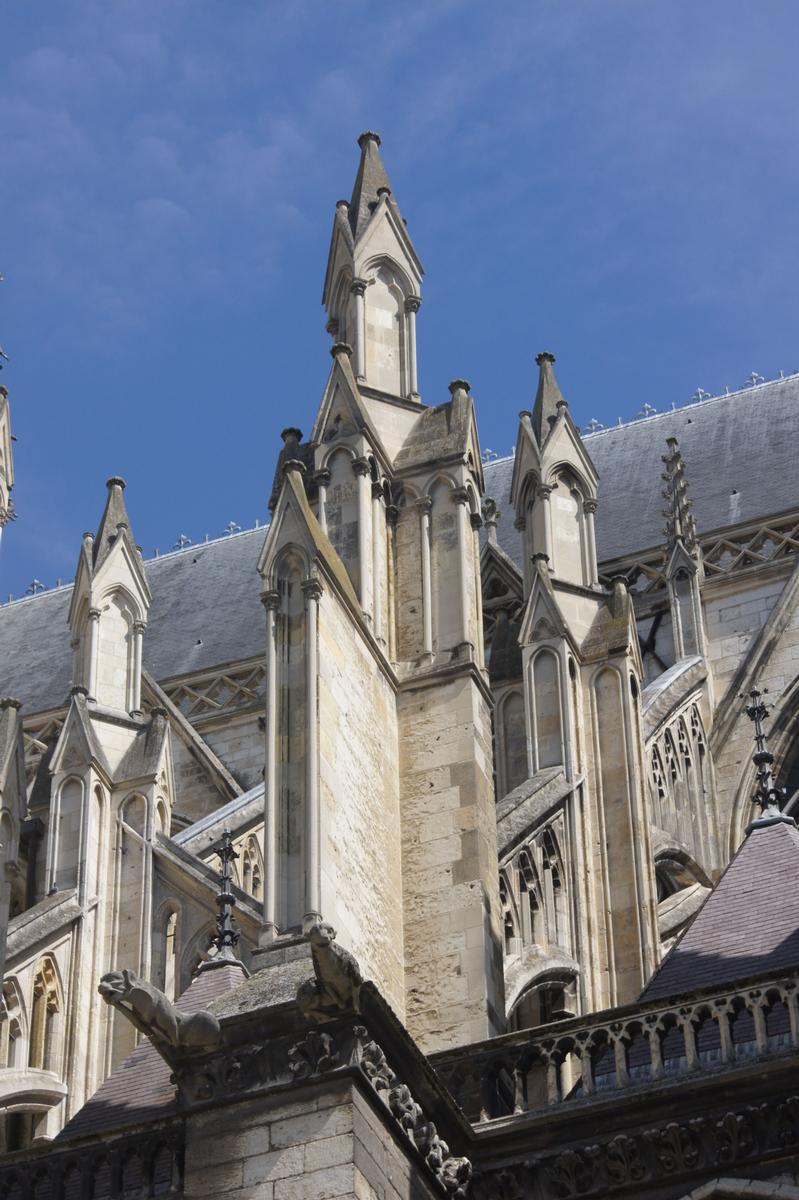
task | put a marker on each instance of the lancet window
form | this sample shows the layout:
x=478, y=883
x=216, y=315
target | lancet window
x=534, y=899
x=13, y=1027
x=45, y=1015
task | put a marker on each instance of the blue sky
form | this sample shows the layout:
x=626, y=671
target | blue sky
x=612, y=180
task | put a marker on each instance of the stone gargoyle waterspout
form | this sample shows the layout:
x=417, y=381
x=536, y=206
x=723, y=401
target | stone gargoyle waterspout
x=154, y=1014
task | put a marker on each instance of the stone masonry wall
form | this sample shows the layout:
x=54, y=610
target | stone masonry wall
x=361, y=858
x=453, y=955
x=309, y=1144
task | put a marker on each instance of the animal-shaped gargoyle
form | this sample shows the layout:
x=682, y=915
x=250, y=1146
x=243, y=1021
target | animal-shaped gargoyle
x=337, y=985
x=153, y=1013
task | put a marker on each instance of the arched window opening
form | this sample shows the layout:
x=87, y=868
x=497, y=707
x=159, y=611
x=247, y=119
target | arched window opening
x=547, y=718
x=550, y=1000
x=115, y=653
x=514, y=743
x=557, y=917
x=170, y=955
x=508, y=923
x=386, y=335
x=12, y=1029
x=252, y=868
x=43, y=1055
x=530, y=900
x=568, y=531
x=684, y=600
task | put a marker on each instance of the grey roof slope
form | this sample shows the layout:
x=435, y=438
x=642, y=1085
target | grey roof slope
x=749, y=923
x=739, y=455
x=140, y=1088
x=740, y=462
x=206, y=610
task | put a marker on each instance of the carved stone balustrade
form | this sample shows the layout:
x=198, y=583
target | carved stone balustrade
x=142, y=1165
x=571, y=1062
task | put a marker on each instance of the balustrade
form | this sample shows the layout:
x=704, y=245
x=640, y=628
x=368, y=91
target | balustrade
x=576, y=1060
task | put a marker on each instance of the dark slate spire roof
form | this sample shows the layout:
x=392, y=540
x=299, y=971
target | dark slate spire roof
x=114, y=516
x=748, y=925
x=371, y=177
x=547, y=398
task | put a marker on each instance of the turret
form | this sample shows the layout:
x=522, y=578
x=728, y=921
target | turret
x=554, y=487
x=108, y=611
x=373, y=280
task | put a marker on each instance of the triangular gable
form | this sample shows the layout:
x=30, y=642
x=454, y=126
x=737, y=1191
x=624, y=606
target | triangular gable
x=496, y=563
x=77, y=746
x=294, y=523
x=680, y=560
x=562, y=442
x=386, y=212
x=542, y=605
x=342, y=398
x=123, y=558
x=526, y=459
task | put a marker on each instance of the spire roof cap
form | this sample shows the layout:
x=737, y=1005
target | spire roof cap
x=369, y=135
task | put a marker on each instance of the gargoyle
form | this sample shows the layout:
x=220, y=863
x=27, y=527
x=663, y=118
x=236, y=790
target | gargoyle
x=337, y=985
x=153, y=1014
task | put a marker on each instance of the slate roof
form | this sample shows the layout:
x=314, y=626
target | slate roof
x=749, y=923
x=140, y=1088
x=206, y=611
x=739, y=460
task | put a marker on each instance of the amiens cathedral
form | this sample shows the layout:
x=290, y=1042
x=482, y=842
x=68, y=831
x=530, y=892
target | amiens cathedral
x=434, y=839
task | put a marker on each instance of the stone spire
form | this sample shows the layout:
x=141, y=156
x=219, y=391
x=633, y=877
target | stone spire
x=767, y=795
x=548, y=398
x=680, y=525
x=113, y=523
x=370, y=182
x=227, y=936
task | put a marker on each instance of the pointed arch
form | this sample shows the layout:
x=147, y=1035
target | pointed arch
x=14, y=1028
x=44, y=1049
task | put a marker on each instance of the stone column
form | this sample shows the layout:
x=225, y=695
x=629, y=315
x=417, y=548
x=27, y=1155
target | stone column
x=135, y=683
x=521, y=524
x=392, y=516
x=94, y=638
x=313, y=880
x=377, y=564
x=271, y=602
x=425, y=506
x=460, y=498
x=322, y=479
x=544, y=491
x=358, y=289
x=476, y=522
x=412, y=305
x=361, y=468
x=589, y=508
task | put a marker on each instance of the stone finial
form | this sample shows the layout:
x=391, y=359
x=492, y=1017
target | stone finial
x=767, y=794
x=115, y=481
x=680, y=525
x=546, y=356
x=491, y=515
x=383, y=191
x=291, y=434
x=459, y=385
x=227, y=935
x=369, y=136
x=341, y=350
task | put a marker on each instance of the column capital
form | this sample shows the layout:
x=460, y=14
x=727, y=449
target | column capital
x=358, y=286
x=139, y=626
x=425, y=505
x=270, y=600
x=321, y=477
x=590, y=506
x=392, y=514
x=312, y=589
x=94, y=614
x=520, y=523
x=360, y=466
x=377, y=490
x=413, y=304
x=476, y=520
x=545, y=490
x=460, y=495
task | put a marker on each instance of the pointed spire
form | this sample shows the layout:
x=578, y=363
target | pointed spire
x=768, y=795
x=227, y=935
x=548, y=398
x=113, y=521
x=680, y=525
x=370, y=182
